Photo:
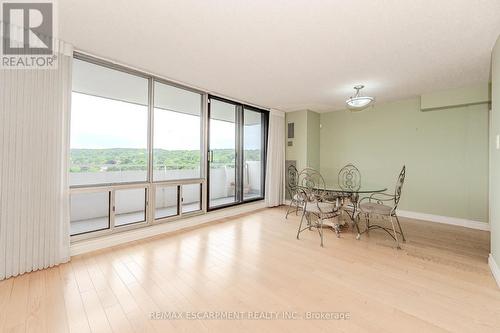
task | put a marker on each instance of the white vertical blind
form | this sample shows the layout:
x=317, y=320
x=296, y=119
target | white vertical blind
x=275, y=167
x=34, y=147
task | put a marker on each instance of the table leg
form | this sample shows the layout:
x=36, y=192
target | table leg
x=355, y=199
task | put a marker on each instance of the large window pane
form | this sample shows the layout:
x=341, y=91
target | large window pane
x=252, y=154
x=177, y=133
x=191, y=198
x=89, y=212
x=130, y=206
x=109, y=126
x=166, y=200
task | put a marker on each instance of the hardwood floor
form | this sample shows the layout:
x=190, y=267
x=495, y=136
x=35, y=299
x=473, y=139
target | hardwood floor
x=438, y=282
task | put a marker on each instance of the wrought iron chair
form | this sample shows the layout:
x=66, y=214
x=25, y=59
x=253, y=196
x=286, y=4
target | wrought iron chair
x=349, y=179
x=296, y=201
x=317, y=207
x=375, y=205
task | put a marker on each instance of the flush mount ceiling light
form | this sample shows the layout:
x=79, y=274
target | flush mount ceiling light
x=357, y=102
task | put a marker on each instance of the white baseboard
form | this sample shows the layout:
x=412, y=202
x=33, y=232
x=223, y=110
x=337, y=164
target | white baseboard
x=445, y=219
x=495, y=270
x=98, y=243
x=440, y=219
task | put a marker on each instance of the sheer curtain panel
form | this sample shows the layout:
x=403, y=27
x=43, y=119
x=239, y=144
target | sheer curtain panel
x=275, y=174
x=34, y=149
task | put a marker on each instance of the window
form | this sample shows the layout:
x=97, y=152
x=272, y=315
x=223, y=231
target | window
x=191, y=198
x=132, y=138
x=138, y=150
x=130, y=206
x=96, y=209
x=89, y=212
x=107, y=107
x=177, y=133
x=166, y=201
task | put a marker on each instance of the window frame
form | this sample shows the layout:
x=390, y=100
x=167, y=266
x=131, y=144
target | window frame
x=150, y=185
x=263, y=144
x=180, y=214
x=178, y=194
x=145, y=190
x=109, y=65
x=151, y=130
x=240, y=145
x=112, y=204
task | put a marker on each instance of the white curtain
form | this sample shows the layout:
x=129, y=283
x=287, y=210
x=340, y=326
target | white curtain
x=34, y=148
x=275, y=170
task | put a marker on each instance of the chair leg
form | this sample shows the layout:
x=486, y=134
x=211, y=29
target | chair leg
x=395, y=233
x=289, y=207
x=400, y=230
x=300, y=225
x=356, y=223
x=336, y=228
x=321, y=231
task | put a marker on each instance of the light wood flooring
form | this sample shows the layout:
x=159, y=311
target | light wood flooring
x=438, y=282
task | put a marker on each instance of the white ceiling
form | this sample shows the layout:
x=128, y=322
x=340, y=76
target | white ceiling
x=293, y=54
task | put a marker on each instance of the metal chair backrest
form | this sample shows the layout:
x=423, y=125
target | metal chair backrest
x=349, y=178
x=311, y=184
x=399, y=186
x=292, y=177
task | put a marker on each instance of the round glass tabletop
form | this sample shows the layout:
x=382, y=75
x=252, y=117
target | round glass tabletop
x=368, y=188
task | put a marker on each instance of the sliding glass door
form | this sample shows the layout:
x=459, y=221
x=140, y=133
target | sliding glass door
x=223, y=140
x=236, y=153
x=253, y=154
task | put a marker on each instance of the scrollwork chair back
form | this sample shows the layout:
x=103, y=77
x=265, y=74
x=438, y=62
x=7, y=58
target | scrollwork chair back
x=317, y=207
x=292, y=180
x=312, y=185
x=349, y=178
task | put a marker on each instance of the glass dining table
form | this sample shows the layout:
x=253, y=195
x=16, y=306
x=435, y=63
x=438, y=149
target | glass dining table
x=350, y=197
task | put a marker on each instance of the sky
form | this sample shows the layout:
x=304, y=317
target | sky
x=98, y=123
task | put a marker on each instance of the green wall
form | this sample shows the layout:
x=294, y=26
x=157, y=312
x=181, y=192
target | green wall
x=298, y=151
x=445, y=152
x=495, y=154
x=313, y=140
x=306, y=144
